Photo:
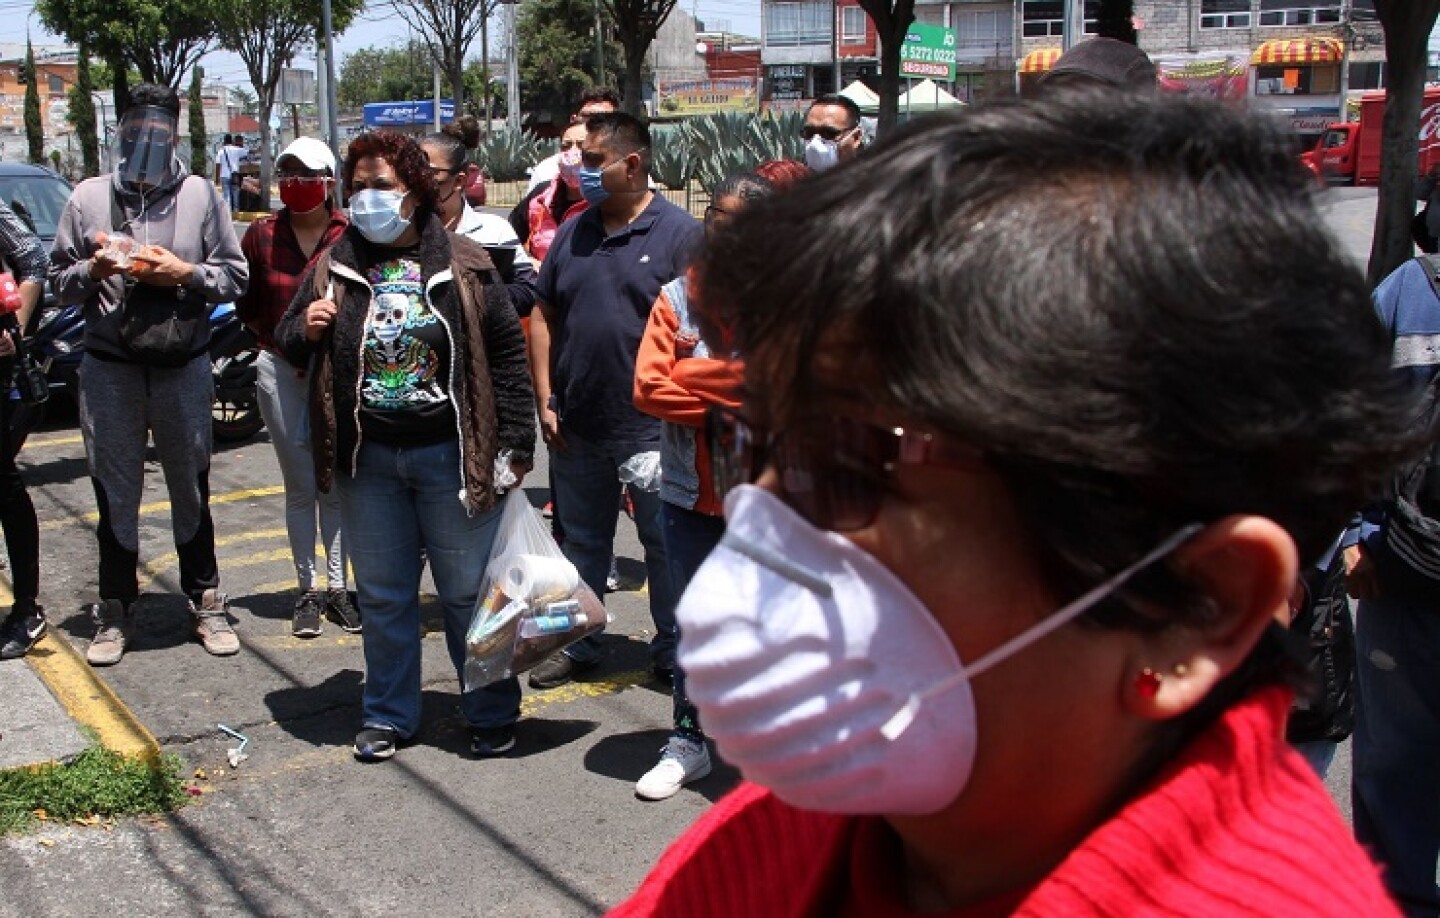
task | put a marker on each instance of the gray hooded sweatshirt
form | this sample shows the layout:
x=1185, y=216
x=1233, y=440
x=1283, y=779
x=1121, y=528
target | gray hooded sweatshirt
x=184, y=214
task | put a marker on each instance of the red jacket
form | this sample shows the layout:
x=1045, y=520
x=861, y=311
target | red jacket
x=1236, y=824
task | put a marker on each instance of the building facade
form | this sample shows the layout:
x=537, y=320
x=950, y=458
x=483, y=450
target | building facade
x=1295, y=57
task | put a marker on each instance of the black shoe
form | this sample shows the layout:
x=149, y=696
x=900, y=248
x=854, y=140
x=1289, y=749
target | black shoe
x=340, y=610
x=558, y=670
x=665, y=672
x=488, y=742
x=376, y=744
x=306, y=621
x=21, y=629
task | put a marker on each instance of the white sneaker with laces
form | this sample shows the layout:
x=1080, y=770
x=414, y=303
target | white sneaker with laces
x=681, y=761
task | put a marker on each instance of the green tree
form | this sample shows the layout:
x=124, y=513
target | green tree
x=556, y=42
x=1407, y=25
x=384, y=75
x=265, y=34
x=160, y=39
x=637, y=23
x=1116, y=19
x=199, y=146
x=81, y=113
x=34, y=132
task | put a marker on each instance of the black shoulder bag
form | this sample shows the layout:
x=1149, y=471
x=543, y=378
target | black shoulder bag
x=160, y=326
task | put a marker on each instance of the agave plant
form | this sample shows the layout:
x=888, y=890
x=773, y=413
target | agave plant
x=671, y=160
x=506, y=156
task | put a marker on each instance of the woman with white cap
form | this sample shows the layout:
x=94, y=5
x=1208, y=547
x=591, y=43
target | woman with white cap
x=279, y=248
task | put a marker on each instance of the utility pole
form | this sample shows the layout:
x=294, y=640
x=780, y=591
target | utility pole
x=512, y=70
x=1074, y=25
x=331, y=118
x=1347, y=37
x=835, y=42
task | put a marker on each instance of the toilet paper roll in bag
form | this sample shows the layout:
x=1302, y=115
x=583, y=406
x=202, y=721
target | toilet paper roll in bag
x=538, y=577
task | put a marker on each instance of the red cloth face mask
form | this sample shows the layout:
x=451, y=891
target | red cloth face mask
x=302, y=195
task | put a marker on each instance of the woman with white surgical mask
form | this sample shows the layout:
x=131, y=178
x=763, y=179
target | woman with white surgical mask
x=424, y=417
x=1016, y=499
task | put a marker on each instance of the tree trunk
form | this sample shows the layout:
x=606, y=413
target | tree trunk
x=120, y=82
x=630, y=100
x=457, y=84
x=890, y=41
x=485, y=65
x=1407, y=27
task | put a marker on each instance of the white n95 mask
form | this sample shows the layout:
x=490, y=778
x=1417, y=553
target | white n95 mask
x=821, y=154
x=822, y=677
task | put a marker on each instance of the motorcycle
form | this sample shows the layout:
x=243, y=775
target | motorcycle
x=58, y=342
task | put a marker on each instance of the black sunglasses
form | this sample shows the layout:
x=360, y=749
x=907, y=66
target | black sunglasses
x=824, y=130
x=833, y=471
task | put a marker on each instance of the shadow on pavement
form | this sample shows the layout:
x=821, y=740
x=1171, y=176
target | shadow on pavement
x=627, y=756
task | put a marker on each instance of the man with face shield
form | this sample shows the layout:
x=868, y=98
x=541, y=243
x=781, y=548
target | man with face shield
x=147, y=250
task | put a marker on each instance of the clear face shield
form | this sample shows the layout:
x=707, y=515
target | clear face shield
x=144, y=145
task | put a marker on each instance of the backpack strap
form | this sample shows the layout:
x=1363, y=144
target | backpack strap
x=1431, y=264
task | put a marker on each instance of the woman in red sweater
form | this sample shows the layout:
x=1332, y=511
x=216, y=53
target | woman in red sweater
x=1038, y=425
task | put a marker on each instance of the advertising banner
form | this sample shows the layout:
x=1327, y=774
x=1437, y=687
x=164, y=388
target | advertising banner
x=928, y=51
x=407, y=114
x=706, y=97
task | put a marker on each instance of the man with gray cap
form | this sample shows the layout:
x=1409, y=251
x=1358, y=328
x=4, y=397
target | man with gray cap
x=148, y=250
x=1104, y=63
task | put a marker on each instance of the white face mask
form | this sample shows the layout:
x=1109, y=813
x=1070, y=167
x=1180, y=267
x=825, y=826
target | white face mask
x=822, y=154
x=822, y=677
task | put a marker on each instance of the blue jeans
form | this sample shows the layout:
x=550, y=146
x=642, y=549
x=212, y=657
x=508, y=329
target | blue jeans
x=587, y=493
x=402, y=501
x=689, y=539
x=1318, y=755
x=1396, y=771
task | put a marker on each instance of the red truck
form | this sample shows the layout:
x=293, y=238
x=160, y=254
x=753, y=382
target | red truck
x=1349, y=151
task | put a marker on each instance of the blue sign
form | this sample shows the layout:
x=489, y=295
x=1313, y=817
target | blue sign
x=407, y=114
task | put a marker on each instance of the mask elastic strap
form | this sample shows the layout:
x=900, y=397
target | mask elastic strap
x=902, y=718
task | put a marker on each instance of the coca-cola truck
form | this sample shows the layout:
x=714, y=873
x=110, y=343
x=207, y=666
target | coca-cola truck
x=1349, y=151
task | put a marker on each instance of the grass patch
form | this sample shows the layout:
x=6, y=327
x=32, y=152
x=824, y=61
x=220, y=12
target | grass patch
x=97, y=782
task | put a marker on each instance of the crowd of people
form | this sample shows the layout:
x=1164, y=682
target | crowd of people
x=998, y=471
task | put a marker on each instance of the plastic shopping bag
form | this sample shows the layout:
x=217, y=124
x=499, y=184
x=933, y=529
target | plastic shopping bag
x=532, y=600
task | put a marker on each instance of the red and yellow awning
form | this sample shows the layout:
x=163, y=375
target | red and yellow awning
x=1039, y=61
x=1299, y=51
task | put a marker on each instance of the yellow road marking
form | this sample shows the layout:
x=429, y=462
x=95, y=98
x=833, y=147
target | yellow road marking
x=151, y=571
x=161, y=506
x=45, y=442
x=530, y=705
x=84, y=695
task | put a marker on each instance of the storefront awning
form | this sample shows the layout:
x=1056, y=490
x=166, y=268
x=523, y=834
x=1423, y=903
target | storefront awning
x=1039, y=61
x=1299, y=51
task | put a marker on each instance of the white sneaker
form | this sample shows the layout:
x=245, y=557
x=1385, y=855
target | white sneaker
x=681, y=761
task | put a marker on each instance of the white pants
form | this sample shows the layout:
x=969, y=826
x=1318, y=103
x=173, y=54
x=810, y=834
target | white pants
x=284, y=404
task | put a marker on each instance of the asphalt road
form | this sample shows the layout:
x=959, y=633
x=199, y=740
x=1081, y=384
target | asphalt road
x=300, y=828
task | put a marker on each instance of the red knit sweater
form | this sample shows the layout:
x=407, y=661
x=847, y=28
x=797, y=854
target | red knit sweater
x=1236, y=824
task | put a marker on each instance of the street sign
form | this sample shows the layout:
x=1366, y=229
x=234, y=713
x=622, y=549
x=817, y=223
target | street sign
x=928, y=51
x=297, y=87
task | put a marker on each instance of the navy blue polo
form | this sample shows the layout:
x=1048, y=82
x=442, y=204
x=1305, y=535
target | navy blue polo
x=600, y=290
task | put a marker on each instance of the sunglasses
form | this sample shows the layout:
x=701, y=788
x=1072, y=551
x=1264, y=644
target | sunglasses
x=824, y=130
x=833, y=471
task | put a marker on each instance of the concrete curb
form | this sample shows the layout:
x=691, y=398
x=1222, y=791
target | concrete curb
x=89, y=701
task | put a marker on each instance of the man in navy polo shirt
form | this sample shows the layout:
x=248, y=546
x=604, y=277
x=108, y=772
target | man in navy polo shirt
x=602, y=274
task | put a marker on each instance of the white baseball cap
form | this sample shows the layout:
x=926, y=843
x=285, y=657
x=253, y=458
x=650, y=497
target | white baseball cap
x=312, y=153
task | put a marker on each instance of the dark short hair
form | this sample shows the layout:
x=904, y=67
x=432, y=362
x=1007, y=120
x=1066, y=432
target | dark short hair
x=598, y=94
x=157, y=95
x=1102, y=62
x=451, y=147
x=404, y=156
x=622, y=133
x=1130, y=304
x=845, y=102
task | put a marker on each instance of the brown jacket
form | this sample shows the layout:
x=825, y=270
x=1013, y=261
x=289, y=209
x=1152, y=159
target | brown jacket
x=489, y=374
